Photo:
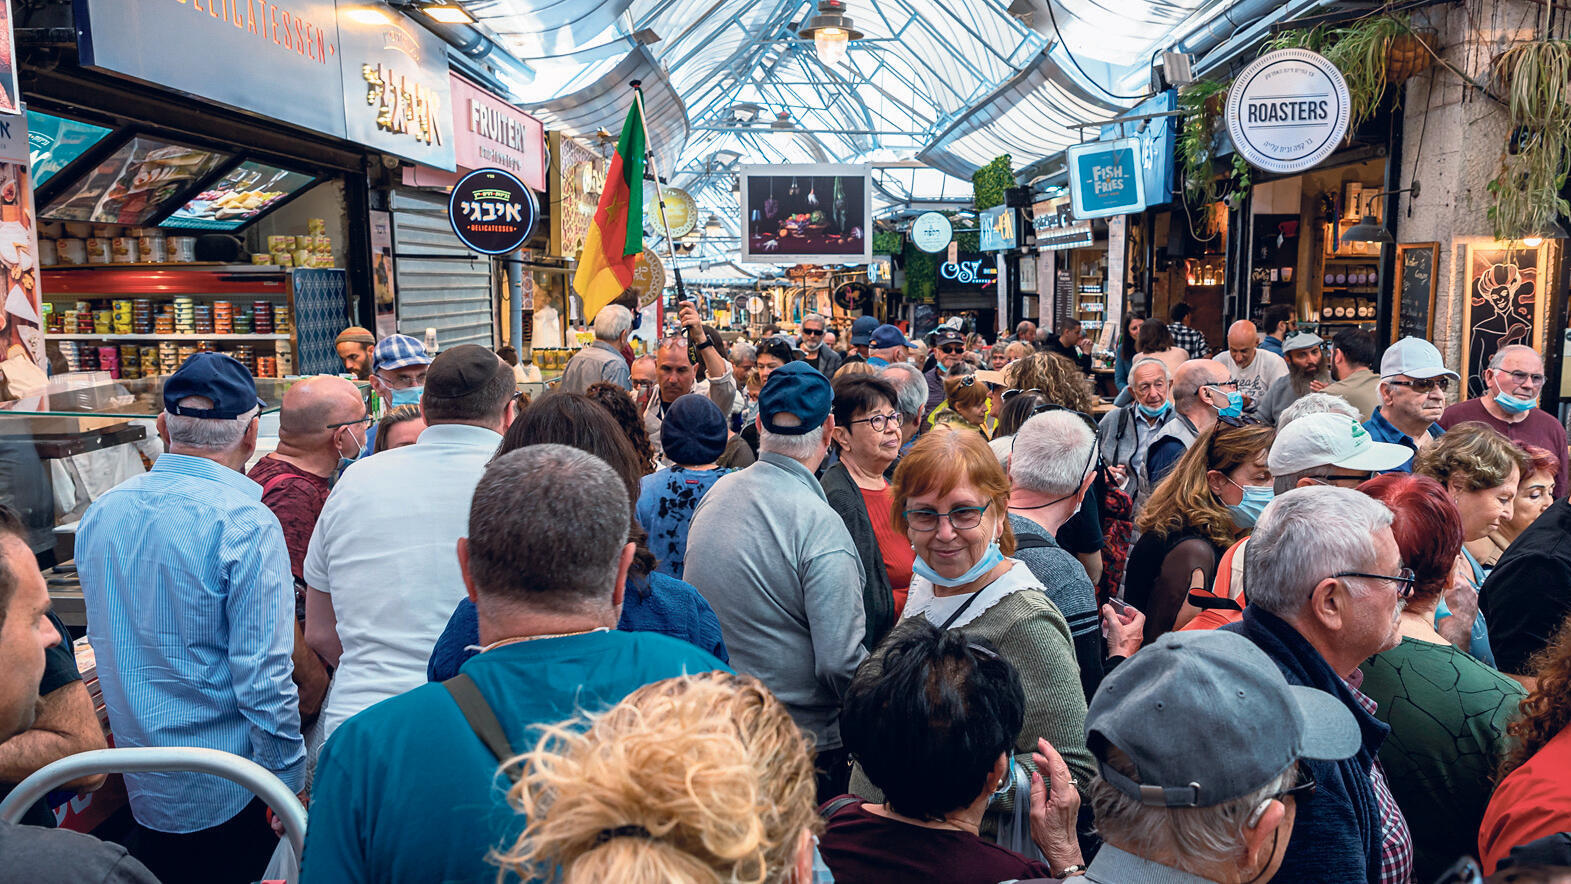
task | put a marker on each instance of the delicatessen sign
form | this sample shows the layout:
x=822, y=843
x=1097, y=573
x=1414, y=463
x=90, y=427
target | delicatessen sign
x=492, y=212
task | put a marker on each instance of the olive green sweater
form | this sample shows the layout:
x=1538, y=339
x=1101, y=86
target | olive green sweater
x=1031, y=633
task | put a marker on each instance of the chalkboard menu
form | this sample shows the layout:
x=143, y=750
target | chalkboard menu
x=1063, y=296
x=1413, y=308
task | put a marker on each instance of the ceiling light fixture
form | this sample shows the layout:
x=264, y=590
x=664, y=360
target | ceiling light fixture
x=1368, y=229
x=831, y=31
x=783, y=122
x=365, y=15
x=448, y=14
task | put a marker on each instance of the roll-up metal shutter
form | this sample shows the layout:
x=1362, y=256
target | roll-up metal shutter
x=451, y=295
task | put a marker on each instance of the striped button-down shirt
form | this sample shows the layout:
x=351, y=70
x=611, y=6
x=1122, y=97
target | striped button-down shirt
x=190, y=609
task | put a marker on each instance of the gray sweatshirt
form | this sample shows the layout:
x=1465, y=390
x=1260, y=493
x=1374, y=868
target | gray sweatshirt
x=781, y=571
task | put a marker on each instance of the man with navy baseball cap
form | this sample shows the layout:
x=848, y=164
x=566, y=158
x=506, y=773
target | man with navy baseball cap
x=189, y=550
x=861, y=338
x=780, y=569
x=887, y=344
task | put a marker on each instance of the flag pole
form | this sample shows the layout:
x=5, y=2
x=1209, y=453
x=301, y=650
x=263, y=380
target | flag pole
x=649, y=157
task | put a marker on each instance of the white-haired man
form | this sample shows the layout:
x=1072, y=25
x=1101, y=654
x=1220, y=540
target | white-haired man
x=1051, y=465
x=1125, y=433
x=602, y=360
x=1413, y=385
x=780, y=569
x=1326, y=589
x=911, y=385
x=1509, y=404
x=191, y=612
x=812, y=351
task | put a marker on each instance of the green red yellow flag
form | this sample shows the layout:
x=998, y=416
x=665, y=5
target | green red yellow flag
x=616, y=236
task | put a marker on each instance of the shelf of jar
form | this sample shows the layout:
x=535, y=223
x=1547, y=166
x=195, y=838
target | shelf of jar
x=1370, y=291
x=167, y=337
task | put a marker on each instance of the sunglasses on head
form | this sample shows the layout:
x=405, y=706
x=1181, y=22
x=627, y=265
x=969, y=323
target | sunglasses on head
x=970, y=380
x=1012, y=392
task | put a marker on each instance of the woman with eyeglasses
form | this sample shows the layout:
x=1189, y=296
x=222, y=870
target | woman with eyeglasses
x=951, y=501
x=867, y=439
x=1480, y=469
x=1211, y=498
x=1448, y=712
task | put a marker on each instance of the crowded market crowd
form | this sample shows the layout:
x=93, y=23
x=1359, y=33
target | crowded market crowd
x=836, y=605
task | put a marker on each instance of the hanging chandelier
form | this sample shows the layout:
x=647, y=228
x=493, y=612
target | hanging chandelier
x=831, y=31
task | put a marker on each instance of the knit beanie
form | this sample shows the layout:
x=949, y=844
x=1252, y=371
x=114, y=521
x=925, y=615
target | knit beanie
x=694, y=431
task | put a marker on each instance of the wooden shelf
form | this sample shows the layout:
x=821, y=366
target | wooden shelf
x=166, y=337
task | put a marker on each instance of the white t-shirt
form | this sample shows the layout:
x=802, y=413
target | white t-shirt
x=1261, y=373
x=385, y=548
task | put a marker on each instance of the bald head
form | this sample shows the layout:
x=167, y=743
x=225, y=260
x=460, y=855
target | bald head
x=1193, y=375
x=1242, y=339
x=310, y=405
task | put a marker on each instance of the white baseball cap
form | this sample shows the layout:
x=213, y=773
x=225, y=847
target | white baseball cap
x=1321, y=440
x=1414, y=357
x=1301, y=341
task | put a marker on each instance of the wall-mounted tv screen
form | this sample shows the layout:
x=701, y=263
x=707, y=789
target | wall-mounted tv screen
x=248, y=190
x=134, y=184
x=807, y=214
x=53, y=142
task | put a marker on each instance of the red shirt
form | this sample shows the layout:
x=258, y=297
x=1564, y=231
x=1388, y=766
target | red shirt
x=1532, y=802
x=1538, y=428
x=295, y=497
x=862, y=848
x=892, y=545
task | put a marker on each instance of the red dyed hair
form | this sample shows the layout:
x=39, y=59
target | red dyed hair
x=1543, y=461
x=942, y=459
x=1427, y=526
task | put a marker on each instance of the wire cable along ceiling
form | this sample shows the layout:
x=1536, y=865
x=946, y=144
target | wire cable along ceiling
x=925, y=91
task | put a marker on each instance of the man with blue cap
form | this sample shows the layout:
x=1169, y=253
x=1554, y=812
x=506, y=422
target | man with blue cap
x=780, y=569
x=190, y=608
x=861, y=338
x=887, y=344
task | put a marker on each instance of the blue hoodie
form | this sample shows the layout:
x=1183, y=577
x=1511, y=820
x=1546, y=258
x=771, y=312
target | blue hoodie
x=1337, y=835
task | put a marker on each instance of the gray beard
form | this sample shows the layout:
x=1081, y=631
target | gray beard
x=1302, y=379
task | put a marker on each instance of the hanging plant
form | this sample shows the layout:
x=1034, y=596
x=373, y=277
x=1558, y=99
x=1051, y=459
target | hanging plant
x=886, y=242
x=989, y=183
x=1372, y=53
x=1202, y=104
x=1533, y=77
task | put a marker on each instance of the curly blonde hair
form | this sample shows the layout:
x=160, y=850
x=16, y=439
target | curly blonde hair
x=702, y=778
x=1473, y=453
x=1058, y=378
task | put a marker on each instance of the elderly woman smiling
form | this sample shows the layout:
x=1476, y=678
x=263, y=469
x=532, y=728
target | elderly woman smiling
x=951, y=499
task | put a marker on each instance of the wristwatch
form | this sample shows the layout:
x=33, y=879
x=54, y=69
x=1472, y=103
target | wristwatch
x=704, y=343
x=1071, y=871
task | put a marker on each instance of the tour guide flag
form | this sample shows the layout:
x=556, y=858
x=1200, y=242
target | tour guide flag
x=616, y=236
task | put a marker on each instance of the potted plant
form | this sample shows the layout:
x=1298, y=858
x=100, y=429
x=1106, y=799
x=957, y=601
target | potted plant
x=1532, y=76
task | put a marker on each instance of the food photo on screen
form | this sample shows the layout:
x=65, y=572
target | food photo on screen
x=796, y=214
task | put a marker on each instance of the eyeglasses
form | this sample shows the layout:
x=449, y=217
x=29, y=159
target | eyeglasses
x=952, y=348
x=1012, y=392
x=1522, y=377
x=962, y=518
x=366, y=421
x=1404, y=580
x=815, y=332
x=1424, y=385
x=398, y=382
x=1224, y=385
x=880, y=422
x=1304, y=790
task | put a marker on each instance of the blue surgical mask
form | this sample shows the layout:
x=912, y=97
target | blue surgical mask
x=988, y=562
x=1513, y=405
x=1235, y=405
x=410, y=396
x=1247, y=511
x=1154, y=413
x=821, y=872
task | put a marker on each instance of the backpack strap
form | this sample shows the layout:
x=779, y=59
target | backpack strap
x=482, y=720
x=1032, y=541
x=834, y=806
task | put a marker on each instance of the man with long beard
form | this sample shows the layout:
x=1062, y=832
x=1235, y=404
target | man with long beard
x=1307, y=371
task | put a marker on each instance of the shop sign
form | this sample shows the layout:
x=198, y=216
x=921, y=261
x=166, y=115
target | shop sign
x=10, y=93
x=1075, y=236
x=489, y=133
x=1105, y=178
x=1288, y=111
x=998, y=229
x=492, y=212
x=279, y=59
x=649, y=277
x=397, y=95
x=976, y=272
x=681, y=212
x=931, y=232
x=881, y=269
